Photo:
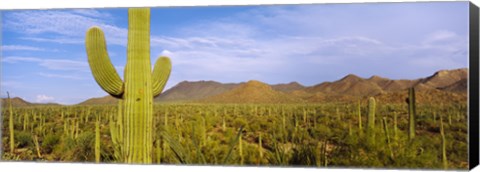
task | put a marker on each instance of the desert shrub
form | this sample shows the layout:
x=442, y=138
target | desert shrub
x=84, y=146
x=280, y=155
x=49, y=142
x=23, y=139
x=303, y=155
x=239, y=122
x=65, y=149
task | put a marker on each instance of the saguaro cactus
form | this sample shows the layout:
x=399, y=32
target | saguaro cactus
x=140, y=83
x=97, y=140
x=444, y=145
x=411, y=113
x=371, y=119
x=10, y=125
x=359, y=113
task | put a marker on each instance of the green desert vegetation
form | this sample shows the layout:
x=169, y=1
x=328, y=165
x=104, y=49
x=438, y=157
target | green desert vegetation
x=249, y=134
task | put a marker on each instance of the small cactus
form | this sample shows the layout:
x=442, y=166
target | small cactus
x=140, y=84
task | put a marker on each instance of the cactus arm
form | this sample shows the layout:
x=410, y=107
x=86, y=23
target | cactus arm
x=160, y=75
x=100, y=65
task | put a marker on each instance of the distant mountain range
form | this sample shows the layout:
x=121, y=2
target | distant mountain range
x=448, y=84
x=19, y=102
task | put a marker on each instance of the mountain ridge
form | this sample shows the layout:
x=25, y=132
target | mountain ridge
x=350, y=86
x=347, y=87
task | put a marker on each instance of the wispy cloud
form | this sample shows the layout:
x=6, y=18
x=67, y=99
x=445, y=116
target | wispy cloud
x=66, y=25
x=12, y=84
x=63, y=40
x=21, y=48
x=53, y=64
x=92, y=13
x=258, y=43
x=52, y=75
x=15, y=59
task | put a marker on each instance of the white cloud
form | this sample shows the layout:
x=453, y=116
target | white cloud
x=92, y=13
x=20, y=48
x=166, y=53
x=63, y=40
x=53, y=64
x=15, y=59
x=62, y=76
x=10, y=83
x=41, y=98
x=441, y=35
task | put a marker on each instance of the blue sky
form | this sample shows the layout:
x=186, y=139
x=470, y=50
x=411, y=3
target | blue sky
x=44, y=57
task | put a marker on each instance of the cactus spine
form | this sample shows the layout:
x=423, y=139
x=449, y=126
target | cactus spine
x=411, y=113
x=140, y=83
x=371, y=119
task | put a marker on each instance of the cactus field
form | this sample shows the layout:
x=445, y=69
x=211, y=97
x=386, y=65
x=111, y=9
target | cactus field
x=313, y=135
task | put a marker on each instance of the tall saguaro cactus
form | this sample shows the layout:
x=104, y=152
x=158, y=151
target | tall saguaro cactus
x=371, y=119
x=10, y=125
x=140, y=84
x=411, y=113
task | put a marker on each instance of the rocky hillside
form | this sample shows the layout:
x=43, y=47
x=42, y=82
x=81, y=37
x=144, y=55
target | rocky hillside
x=189, y=91
x=252, y=92
x=19, y=102
x=100, y=101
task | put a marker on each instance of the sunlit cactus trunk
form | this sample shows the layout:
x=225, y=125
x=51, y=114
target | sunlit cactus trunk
x=140, y=84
